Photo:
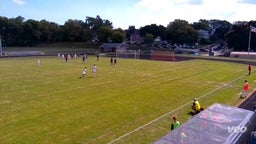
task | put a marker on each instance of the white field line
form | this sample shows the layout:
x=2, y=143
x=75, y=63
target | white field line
x=168, y=113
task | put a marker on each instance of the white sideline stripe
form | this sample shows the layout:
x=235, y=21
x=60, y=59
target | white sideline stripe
x=164, y=115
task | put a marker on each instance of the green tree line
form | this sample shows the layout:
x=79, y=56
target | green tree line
x=18, y=32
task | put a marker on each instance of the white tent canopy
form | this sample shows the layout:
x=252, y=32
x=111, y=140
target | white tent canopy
x=218, y=124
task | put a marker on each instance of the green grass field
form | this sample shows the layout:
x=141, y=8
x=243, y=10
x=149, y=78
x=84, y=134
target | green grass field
x=131, y=102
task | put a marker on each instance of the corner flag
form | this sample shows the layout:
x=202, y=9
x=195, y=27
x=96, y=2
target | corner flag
x=253, y=29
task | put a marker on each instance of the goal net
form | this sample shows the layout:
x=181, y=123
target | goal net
x=128, y=54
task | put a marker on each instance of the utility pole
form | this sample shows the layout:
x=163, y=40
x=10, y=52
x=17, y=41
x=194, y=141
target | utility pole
x=249, y=41
x=1, y=48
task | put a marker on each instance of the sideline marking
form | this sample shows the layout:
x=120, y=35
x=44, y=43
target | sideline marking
x=182, y=106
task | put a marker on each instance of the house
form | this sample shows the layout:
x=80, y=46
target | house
x=112, y=47
x=135, y=38
x=204, y=34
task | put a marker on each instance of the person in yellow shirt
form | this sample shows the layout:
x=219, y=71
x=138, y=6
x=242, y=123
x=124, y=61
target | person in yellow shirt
x=175, y=123
x=196, y=106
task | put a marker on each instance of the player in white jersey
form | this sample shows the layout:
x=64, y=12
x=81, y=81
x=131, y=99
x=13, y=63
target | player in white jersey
x=94, y=69
x=83, y=73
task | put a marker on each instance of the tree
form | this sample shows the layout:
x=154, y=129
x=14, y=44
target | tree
x=162, y=32
x=87, y=35
x=148, y=38
x=201, y=25
x=154, y=30
x=237, y=38
x=219, y=29
x=94, y=24
x=31, y=33
x=49, y=31
x=118, y=36
x=56, y=32
x=180, y=31
x=73, y=30
x=3, y=25
x=104, y=34
x=253, y=36
x=13, y=31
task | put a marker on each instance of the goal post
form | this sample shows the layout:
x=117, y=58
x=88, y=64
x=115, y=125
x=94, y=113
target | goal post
x=128, y=54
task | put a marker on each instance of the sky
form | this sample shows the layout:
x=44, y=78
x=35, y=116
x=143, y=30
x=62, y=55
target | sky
x=125, y=13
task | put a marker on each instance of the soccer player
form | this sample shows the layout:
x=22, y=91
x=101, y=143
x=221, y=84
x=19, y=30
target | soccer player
x=83, y=73
x=111, y=60
x=115, y=61
x=98, y=57
x=249, y=69
x=66, y=57
x=94, y=69
x=38, y=62
x=84, y=57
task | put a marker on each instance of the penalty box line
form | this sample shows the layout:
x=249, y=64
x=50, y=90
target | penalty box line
x=168, y=113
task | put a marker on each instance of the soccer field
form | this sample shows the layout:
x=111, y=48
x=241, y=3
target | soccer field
x=48, y=103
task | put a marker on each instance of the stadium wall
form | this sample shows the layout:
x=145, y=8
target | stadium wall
x=246, y=55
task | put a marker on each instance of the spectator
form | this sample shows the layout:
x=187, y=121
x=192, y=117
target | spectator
x=245, y=90
x=175, y=123
x=196, y=106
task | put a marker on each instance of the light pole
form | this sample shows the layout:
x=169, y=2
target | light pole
x=249, y=41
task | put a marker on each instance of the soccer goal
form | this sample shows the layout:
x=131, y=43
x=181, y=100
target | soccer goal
x=128, y=54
